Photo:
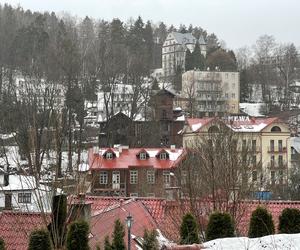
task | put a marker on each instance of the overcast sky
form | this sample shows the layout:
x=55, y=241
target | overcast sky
x=237, y=22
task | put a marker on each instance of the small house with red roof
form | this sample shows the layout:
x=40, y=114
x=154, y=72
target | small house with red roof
x=267, y=138
x=135, y=172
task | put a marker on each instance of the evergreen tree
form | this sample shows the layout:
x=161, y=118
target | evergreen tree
x=39, y=240
x=118, y=236
x=57, y=227
x=188, y=60
x=289, y=221
x=78, y=236
x=198, y=58
x=150, y=240
x=189, y=230
x=261, y=223
x=107, y=245
x=220, y=225
x=2, y=244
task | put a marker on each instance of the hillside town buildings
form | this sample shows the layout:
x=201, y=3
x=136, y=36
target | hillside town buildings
x=269, y=140
x=211, y=93
x=174, y=51
x=134, y=172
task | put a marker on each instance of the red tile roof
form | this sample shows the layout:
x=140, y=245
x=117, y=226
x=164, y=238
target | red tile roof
x=103, y=224
x=128, y=158
x=15, y=228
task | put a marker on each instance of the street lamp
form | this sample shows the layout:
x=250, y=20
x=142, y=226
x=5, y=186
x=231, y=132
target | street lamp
x=129, y=222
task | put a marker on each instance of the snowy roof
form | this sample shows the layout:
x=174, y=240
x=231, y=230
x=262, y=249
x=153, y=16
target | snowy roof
x=184, y=38
x=236, y=123
x=129, y=157
x=295, y=143
x=22, y=182
x=252, y=109
x=180, y=118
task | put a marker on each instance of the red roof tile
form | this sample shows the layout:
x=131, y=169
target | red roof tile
x=103, y=224
x=128, y=158
x=15, y=228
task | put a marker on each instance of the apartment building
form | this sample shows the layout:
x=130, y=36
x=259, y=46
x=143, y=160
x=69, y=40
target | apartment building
x=210, y=93
x=269, y=140
x=134, y=172
x=174, y=49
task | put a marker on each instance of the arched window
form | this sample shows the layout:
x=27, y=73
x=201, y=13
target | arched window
x=276, y=129
x=213, y=129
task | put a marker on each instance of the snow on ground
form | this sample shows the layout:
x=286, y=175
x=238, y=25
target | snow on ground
x=271, y=242
x=252, y=109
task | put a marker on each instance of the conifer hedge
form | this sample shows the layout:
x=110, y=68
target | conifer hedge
x=220, y=225
x=261, y=223
x=289, y=221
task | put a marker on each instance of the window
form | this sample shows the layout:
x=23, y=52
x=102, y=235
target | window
x=133, y=176
x=272, y=160
x=280, y=160
x=273, y=176
x=272, y=145
x=280, y=146
x=163, y=156
x=233, y=95
x=166, y=177
x=134, y=194
x=109, y=155
x=24, y=197
x=183, y=177
x=143, y=156
x=151, y=176
x=244, y=145
x=276, y=129
x=280, y=175
x=254, y=145
x=103, y=177
x=254, y=175
x=253, y=159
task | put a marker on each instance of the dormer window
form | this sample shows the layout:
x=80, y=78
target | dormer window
x=143, y=156
x=109, y=155
x=163, y=156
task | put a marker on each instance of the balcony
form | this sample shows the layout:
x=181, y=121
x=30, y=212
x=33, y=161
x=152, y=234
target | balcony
x=110, y=189
x=277, y=165
x=274, y=150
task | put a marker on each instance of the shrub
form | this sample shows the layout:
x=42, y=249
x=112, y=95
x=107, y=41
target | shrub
x=39, y=240
x=118, y=236
x=107, y=245
x=261, y=223
x=2, y=244
x=189, y=230
x=150, y=240
x=220, y=225
x=289, y=221
x=77, y=237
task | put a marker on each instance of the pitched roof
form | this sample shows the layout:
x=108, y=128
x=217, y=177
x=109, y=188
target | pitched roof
x=201, y=40
x=167, y=215
x=197, y=123
x=236, y=123
x=16, y=227
x=128, y=158
x=183, y=38
x=102, y=224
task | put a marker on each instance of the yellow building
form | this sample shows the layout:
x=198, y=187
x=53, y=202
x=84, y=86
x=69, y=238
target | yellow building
x=268, y=140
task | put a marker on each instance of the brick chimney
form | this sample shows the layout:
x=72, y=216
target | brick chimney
x=80, y=209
